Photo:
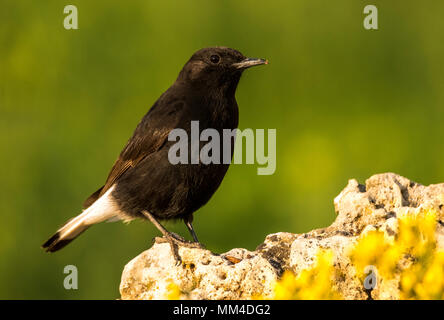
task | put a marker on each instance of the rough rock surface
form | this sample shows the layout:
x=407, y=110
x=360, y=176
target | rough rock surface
x=243, y=274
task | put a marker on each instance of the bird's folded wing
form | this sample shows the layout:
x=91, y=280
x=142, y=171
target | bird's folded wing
x=151, y=133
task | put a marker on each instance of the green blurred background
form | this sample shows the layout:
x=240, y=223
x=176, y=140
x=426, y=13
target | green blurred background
x=346, y=103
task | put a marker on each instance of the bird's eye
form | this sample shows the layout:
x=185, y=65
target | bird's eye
x=215, y=58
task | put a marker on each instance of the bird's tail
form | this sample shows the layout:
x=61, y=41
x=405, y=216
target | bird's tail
x=104, y=209
x=71, y=230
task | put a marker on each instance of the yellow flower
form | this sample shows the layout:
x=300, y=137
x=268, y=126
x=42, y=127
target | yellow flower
x=174, y=292
x=424, y=279
x=310, y=284
x=421, y=276
x=416, y=234
x=373, y=249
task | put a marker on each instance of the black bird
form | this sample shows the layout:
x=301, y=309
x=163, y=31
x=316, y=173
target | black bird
x=143, y=183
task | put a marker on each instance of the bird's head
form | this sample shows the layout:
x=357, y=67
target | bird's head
x=218, y=67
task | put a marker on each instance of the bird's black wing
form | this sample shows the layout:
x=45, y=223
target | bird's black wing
x=151, y=133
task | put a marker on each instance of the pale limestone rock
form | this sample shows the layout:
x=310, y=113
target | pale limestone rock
x=242, y=274
x=202, y=275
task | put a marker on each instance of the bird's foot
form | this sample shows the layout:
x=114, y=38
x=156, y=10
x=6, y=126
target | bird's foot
x=177, y=241
x=182, y=242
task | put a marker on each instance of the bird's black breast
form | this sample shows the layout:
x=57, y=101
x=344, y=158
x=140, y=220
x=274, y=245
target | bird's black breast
x=175, y=190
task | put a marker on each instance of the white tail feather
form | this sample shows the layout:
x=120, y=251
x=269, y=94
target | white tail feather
x=104, y=209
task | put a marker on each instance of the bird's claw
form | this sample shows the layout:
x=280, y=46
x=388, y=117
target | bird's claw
x=177, y=241
x=177, y=257
x=177, y=237
x=180, y=241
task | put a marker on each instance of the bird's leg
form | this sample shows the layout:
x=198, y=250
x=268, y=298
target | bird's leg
x=173, y=239
x=188, y=221
x=166, y=234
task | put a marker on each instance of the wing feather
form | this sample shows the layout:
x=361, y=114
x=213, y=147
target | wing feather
x=149, y=136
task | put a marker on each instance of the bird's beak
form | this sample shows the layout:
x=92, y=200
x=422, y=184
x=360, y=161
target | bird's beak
x=249, y=62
